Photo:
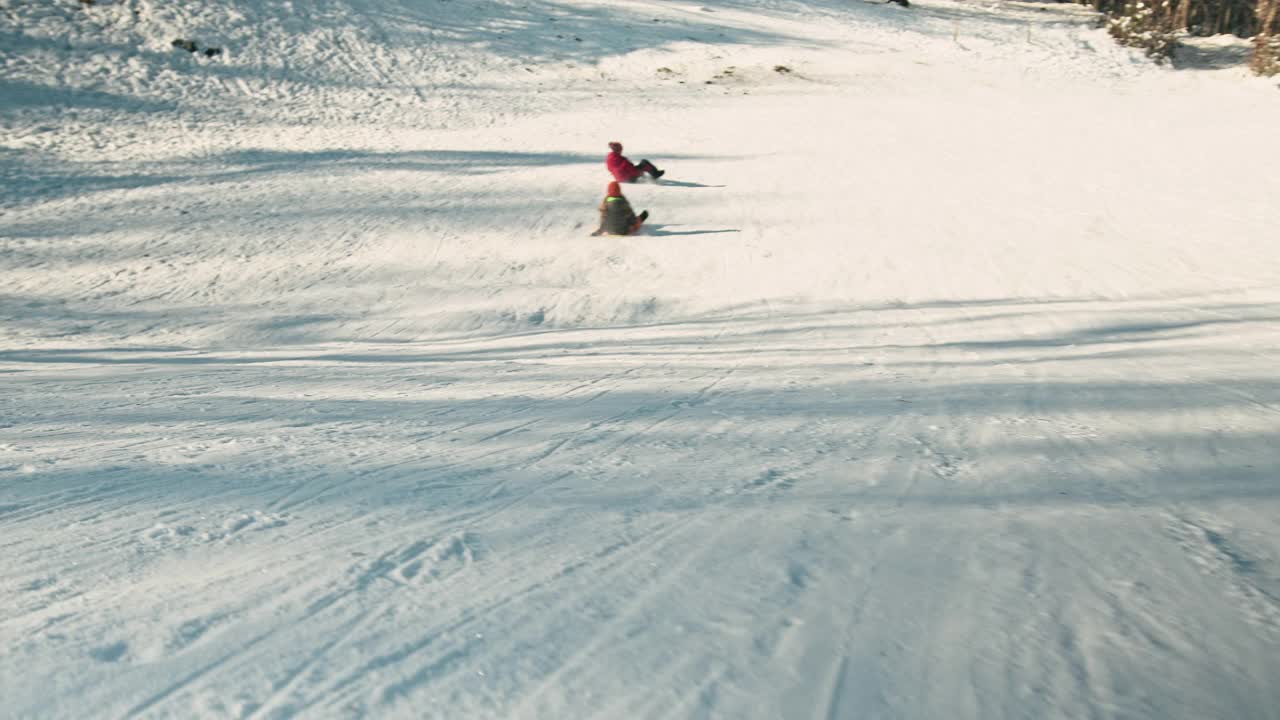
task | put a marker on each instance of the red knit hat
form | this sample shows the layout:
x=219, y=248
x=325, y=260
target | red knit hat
x=615, y=146
x=615, y=190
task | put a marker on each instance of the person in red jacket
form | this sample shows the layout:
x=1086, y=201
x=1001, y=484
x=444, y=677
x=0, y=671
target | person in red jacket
x=624, y=170
x=616, y=215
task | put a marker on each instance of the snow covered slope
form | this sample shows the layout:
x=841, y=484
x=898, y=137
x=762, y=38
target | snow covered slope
x=942, y=383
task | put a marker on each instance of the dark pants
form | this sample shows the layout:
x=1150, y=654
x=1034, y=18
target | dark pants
x=648, y=167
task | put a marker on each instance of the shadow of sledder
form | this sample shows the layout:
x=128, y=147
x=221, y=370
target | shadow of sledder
x=681, y=183
x=660, y=231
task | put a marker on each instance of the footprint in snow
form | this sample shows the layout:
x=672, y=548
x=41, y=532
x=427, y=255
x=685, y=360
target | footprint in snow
x=110, y=653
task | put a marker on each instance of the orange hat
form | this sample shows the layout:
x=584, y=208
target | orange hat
x=615, y=190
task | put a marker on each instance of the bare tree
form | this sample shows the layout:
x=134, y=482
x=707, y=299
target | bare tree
x=1266, y=47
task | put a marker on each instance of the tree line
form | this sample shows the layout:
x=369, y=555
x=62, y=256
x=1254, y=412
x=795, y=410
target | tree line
x=1154, y=24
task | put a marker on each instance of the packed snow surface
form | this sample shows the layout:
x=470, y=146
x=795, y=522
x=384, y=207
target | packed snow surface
x=942, y=384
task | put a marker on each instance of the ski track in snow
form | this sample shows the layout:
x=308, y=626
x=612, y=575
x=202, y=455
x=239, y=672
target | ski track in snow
x=941, y=385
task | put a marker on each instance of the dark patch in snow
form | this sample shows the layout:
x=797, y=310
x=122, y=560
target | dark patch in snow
x=110, y=653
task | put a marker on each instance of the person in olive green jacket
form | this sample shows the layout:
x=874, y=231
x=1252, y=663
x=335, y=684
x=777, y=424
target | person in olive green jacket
x=616, y=215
